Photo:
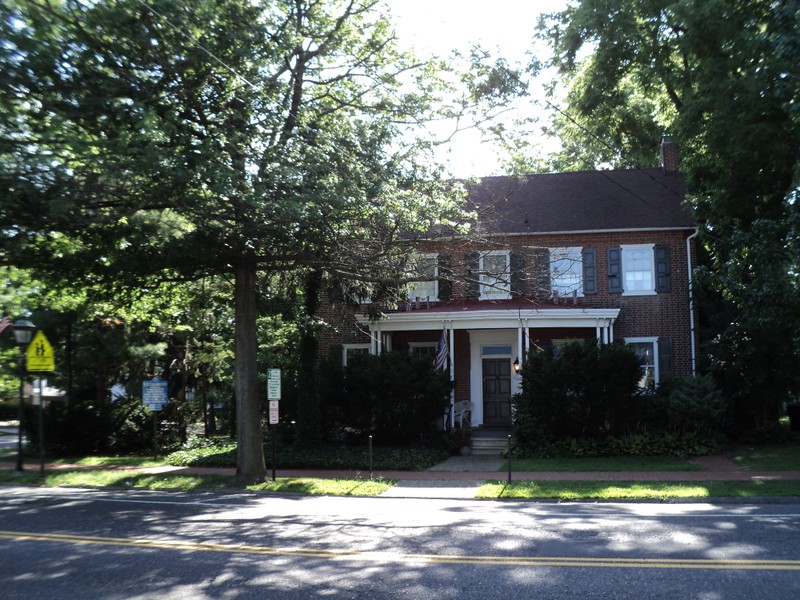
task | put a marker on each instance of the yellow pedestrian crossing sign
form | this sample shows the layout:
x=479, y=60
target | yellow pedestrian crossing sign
x=40, y=354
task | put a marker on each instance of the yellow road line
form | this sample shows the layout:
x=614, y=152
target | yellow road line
x=517, y=561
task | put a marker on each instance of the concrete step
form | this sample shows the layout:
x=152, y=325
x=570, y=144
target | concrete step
x=486, y=446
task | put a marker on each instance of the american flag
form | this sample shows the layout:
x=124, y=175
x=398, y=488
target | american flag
x=5, y=322
x=440, y=360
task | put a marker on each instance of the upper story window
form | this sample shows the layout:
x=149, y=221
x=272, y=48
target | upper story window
x=566, y=271
x=425, y=266
x=495, y=275
x=638, y=269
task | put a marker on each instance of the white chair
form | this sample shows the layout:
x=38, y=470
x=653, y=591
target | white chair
x=461, y=410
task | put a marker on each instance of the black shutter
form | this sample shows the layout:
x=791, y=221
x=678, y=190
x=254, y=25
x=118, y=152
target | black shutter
x=615, y=270
x=472, y=277
x=445, y=277
x=589, y=261
x=665, y=368
x=517, y=274
x=662, y=269
x=335, y=354
x=541, y=269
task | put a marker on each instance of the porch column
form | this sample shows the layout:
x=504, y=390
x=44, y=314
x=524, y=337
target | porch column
x=452, y=348
x=605, y=333
x=597, y=332
x=520, y=355
x=611, y=331
x=527, y=338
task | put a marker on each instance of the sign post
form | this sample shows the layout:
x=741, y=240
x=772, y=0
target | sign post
x=40, y=358
x=274, y=397
x=155, y=395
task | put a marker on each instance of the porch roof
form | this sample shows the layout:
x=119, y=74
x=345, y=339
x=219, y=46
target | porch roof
x=491, y=317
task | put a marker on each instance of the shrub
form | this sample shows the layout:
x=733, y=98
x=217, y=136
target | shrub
x=8, y=410
x=693, y=406
x=396, y=397
x=578, y=391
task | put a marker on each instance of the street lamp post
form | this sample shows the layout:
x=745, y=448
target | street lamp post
x=23, y=330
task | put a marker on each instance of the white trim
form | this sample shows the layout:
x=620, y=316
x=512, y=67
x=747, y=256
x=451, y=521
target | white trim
x=493, y=319
x=563, y=232
x=648, y=340
x=346, y=347
x=478, y=339
x=500, y=289
x=649, y=249
x=691, y=300
x=412, y=296
x=562, y=253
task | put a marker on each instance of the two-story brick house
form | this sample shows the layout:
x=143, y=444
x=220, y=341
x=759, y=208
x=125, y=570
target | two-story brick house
x=602, y=255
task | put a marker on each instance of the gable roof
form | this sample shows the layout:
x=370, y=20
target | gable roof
x=581, y=201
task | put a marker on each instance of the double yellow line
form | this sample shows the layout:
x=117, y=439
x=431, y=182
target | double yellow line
x=517, y=561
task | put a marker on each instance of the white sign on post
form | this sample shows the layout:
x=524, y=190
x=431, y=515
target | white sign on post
x=274, y=416
x=274, y=384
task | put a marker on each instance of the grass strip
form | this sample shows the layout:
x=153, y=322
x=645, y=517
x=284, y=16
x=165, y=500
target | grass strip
x=609, y=463
x=623, y=490
x=187, y=483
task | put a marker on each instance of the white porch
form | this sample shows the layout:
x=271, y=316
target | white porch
x=494, y=335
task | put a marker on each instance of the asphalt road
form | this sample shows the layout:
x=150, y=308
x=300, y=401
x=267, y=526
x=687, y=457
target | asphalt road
x=130, y=544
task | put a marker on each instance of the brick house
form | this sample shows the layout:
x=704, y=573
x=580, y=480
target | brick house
x=553, y=258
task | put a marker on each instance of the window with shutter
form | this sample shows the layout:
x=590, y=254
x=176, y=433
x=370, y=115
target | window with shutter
x=615, y=270
x=589, y=264
x=566, y=272
x=662, y=269
x=472, y=276
x=517, y=274
x=445, y=277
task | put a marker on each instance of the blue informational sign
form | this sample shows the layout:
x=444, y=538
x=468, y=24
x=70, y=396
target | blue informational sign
x=155, y=393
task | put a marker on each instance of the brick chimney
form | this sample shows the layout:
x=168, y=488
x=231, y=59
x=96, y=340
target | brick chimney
x=669, y=154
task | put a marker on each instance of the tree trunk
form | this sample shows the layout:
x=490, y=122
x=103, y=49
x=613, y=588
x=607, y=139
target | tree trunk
x=250, y=465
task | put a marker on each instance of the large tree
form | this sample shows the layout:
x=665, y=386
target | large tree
x=144, y=140
x=721, y=77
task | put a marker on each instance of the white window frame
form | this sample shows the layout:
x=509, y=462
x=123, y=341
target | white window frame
x=649, y=252
x=414, y=291
x=653, y=341
x=346, y=348
x=492, y=287
x=413, y=345
x=573, y=254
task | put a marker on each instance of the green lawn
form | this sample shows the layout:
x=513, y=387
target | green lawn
x=623, y=490
x=610, y=463
x=186, y=483
x=774, y=457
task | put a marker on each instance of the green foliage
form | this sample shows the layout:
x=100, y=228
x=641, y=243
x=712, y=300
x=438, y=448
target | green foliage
x=396, y=397
x=9, y=410
x=217, y=138
x=323, y=456
x=691, y=405
x=122, y=427
x=578, y=390
x=716, y=75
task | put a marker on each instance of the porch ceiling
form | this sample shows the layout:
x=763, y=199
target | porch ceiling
x=493, y=319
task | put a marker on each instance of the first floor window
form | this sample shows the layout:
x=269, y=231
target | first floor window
x=426, y=349
x=350, y=350
x=647, y=351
